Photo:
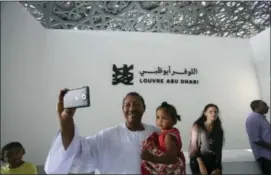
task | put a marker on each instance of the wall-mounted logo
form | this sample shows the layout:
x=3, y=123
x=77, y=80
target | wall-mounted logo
x=123, y=75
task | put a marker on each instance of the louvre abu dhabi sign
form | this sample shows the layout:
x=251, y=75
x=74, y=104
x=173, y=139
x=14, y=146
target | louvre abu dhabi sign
x=125, y=74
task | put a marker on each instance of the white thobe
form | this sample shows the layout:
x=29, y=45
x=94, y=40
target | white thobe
x=114, y=150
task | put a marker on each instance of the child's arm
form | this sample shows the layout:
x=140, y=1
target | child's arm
x=171, y=155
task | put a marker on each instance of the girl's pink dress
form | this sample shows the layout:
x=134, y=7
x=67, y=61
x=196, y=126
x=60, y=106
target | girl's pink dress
x=155, y=144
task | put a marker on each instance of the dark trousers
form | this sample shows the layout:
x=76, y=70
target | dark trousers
x=264, y=165
x=209, y=162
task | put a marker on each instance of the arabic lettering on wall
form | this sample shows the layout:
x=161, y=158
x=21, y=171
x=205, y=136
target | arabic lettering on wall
x=169, y=71
x=169, y=76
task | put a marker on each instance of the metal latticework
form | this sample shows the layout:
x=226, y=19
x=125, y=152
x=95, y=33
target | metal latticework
x=222, y=18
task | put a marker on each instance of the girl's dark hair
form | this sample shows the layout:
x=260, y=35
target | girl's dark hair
x=10, y=146
x=217, y=127
x=171, y=110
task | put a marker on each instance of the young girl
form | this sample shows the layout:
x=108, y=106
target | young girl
x=161, y=153
x=12, y=157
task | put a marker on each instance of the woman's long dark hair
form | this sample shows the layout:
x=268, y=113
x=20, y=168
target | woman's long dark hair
x=217, y=127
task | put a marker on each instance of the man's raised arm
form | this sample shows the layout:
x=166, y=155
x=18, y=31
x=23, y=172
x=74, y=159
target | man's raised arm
x=69, y=152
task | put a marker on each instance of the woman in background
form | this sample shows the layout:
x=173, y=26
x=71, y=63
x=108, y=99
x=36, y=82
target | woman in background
x=12, y=157
x=206, y=142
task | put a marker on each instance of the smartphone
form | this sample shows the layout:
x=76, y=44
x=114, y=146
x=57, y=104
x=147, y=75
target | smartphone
x=77, y=98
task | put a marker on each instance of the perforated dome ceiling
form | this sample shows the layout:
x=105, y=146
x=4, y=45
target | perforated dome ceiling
x=223, y=18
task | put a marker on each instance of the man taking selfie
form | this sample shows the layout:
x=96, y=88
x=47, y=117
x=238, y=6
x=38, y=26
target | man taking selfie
x=113, y=150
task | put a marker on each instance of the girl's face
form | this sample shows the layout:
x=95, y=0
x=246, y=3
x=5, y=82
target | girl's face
x=163, y=120
x=13, y=156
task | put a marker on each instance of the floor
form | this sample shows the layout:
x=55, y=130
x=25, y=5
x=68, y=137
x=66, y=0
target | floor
x=238, y=161
x=228, y=168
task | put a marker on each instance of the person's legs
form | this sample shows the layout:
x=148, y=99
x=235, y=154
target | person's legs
x=194, y=166
x=265, y=165
x=209, y=162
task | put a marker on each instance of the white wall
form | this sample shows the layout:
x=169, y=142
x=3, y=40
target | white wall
x=53, y=59
x=226, y=76
x=23, y=101
x=261, y=57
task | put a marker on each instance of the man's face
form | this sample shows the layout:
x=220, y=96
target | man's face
x=133, y=109
x=263, y=107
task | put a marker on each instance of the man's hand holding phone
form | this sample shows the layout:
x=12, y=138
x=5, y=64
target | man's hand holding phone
x=64, y=114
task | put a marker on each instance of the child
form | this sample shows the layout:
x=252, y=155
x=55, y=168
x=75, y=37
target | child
x=12, y=157
x=161, y=153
